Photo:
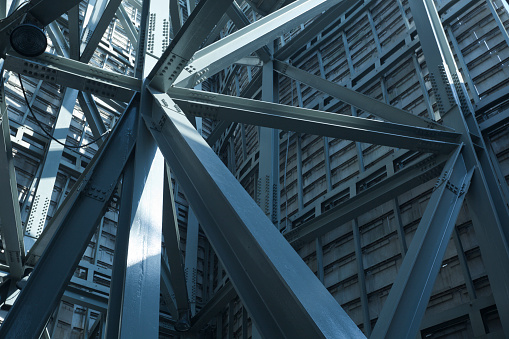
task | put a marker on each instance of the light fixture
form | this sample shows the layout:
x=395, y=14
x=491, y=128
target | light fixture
x=183, y=324
x=28, y=40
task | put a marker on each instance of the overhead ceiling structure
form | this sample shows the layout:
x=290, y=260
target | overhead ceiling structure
x=157, y=138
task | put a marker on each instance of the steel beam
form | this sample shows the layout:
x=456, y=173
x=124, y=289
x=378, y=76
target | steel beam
x=271, y=279
x=172, y=244
x=186, y=42
x=41, y=203
x=224, y=107
x=221, y=54
x=359, y=100
x=45, y=11
x=74, y=74
x=420, y=171
x=140, y=308
x=92, y=115
x=127, y=24
x=405, y=306
x=191, y=259
x=115, y=300
x=175, y=16
x=93, y=35
x=487, y=206
x=87, y=299
x=50, y=277
x=240, y=21
x=10, y=218
x=73, y=17
x=329, y=17
x=58, y=39
x=167, y=293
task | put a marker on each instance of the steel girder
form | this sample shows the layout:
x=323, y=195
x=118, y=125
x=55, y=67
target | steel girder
x=172, y=244
x=405, y=306
x=224, y=107
x=275, y=291
x=77, y=75
x=10, y=221
x=55, y=268
x=489, y=210
x=354, y=98
x=193, y=141
x=221, y=54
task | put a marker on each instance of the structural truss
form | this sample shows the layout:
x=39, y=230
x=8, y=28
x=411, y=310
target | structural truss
x=158, y=141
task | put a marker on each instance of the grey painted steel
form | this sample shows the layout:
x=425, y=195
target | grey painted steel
x=488, y=209
x=140, y=309
x=172, y=244
x=271, y=279
x=223, y=107
x=213, y=307
x=267, y=196
x=240, y=20
x=92, y=115
x=359, y=100
x=327, y=18
x=221, y=54
x=84, y=298
x=48, y=10
x=89, y=42
x=405, y=306
x=58, y=39
x=127, y=24
x=191, y=259
x=175, y=16
x=10, y=220
x=74, y=32
x=187, y=41
x=420, y=171
x=167, y=293
x=55, y=268
x=73, y=74
x=115, y=300
x=58, y=218
x=361, y=276
x=40, y=205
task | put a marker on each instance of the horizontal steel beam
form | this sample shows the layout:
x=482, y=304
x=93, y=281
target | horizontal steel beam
x=77, y=75
x=359, y=202
x=255, y=112
x=262, y=266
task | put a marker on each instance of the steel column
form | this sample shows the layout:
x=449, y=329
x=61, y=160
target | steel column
x=10, y=217
x=140, y=311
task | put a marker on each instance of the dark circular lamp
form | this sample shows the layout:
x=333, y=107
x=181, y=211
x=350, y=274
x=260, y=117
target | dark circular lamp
x=28, y=40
